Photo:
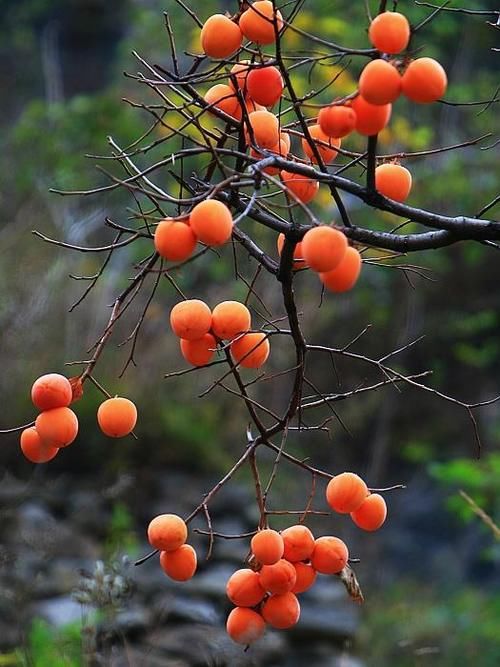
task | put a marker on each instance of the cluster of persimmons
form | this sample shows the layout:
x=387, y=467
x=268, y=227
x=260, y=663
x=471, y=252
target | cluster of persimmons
x=281, y=565
x=56, y=426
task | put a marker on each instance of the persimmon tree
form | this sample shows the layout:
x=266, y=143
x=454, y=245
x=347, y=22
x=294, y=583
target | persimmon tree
x=245, y=156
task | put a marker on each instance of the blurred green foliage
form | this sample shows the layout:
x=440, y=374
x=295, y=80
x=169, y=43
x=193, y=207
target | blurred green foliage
x=48, y=646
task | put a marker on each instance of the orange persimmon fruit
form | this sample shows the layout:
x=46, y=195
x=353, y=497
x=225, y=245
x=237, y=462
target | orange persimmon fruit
x=303, y=187
x=244, y=588
x=298, y=262
x=281, y=611
x=323, y=248
x=370, y=118
x=380, y=82
x=167, y=532
x=306, y=576
x=337, y=120
x=265, y=129
x=212, y=222
x=230, y=318
x=346, y=492
x=393, y=181
x=330, y=555
x=267, y=546
x=179, y=564
x=327, y=152
x=251, y=350
x=240, y=73
x=265, y=85
x=299, y=543
x=222, y=97
x=389, y=32
x=280, y=577
x=117, y=417
x=34, y=449
x=424, y=81
x=345, y=275
x=57, y=427
x=190, y=319
x=245, y=626
x=174, y=240
x=257, y=22
x=371, y=514
x=220, y=37
x=199, y=351
x=51, y=391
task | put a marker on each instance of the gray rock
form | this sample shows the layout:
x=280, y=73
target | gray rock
x=197, y=610
x=212, y=582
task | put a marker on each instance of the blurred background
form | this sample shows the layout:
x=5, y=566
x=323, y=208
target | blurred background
x=70, y=529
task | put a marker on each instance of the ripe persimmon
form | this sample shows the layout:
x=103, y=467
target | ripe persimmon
x=303, y=187
x=245, y=626
x=244, y=588
x=179, y=564
x=229, y=319
x=337, y=120
x=393, y=181
x=298, y=261
x=117, y=417
x=265, y=85
x=212, y=222
x=299, y=543
x=240, y=72
x=306, y=576
x=267, y=546
x=220, y=37
x=57, y=427
x=346, y=492
x=222, y=97
x=265, y=129
x=190, y=319
x=330, y=555
x=51, y=391
x=345, y=275
x=323, y=248
x=280, y=577
x=389, y=32
x=167, y=532
x=370, y=118
x=34, y=449
x=281, y=611
x=200, y=351
x=380, y=82
x=251, y=350
x=371, y=514
x=424, y=81
x=174, y=240
x=258, y=21
x=281, y=149
x=327, y=152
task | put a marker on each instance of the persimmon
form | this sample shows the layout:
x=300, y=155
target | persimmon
x=389, y=32
x=380, y=82
x=51, y=391
x=371, y=514
x=180, y=564
x=393, y=181
x=345, y=275
x=279, y=577
x=265, y=129
x=282, y=149
x=424, y=81
x=174, y=240
x=327, y=152
x=200, y=351
x=370, y=118
x=244, y=588
x=34, y=448
x=251, y=350
x=303, y=187
x=167, y=532
x=346, y=492
x=299, y=543
x=220, y=37
x=337, y=120
x=298, y=261
x=240, y=73
x=212, y=222
x=267, y=546
x=117, y=417
x=245, y=626
x=229, y=319
x=258, y=21
x=265, y=85
x=323, y=248
x=281, y=611
x=190, y=319
x=306, y=576
x=222, y=97
x=330, y=555
x=57, y=427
